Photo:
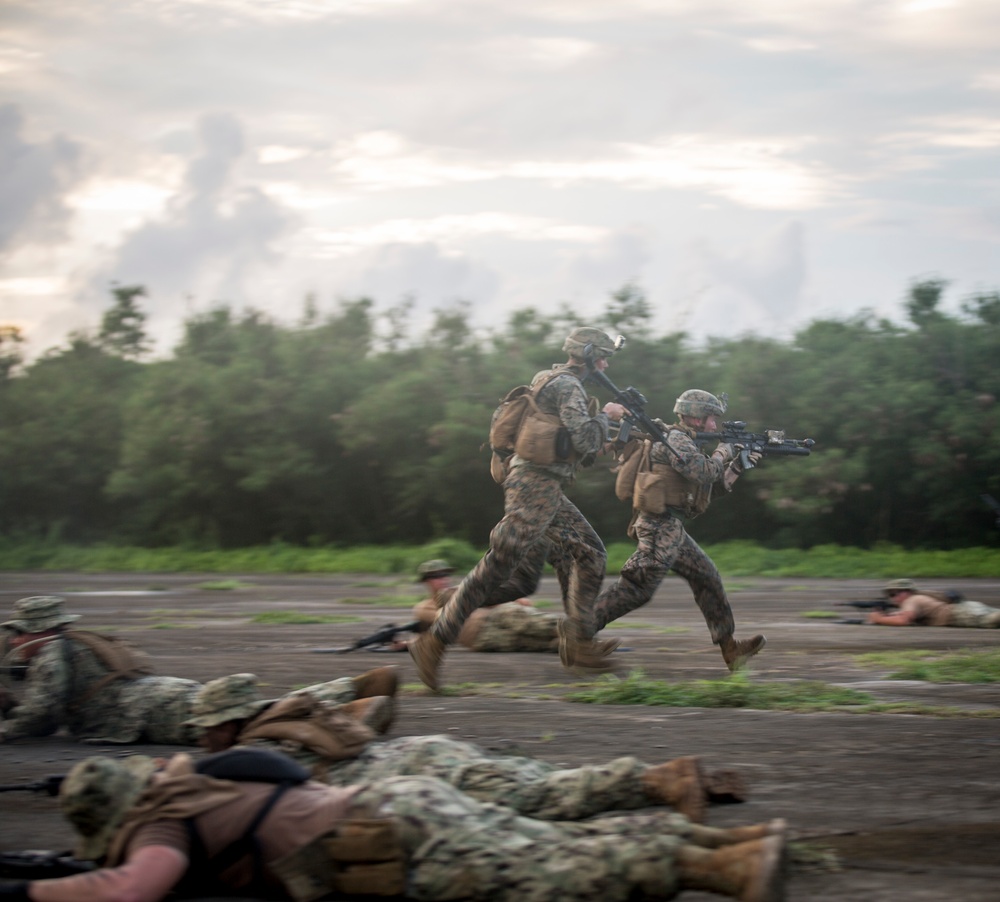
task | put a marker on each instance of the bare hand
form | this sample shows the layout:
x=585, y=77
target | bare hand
x=614, y=411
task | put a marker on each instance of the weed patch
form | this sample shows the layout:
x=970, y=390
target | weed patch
x=963, y=665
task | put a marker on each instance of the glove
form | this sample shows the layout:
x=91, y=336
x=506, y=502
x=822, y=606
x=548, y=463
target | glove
x=728, y=451
x=737, y=465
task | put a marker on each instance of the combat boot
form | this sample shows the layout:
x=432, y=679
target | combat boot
x=427, y=650
x=380, y=681
x=716, y=837
x=737, y=653
x=749, y=871
x=581, y=655
x=678, y=783
x=378, y=712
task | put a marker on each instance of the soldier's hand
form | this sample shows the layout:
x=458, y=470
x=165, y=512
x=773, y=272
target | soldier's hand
x=727, y=451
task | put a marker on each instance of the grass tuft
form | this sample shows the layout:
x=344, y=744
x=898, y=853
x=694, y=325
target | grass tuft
x=963, y=665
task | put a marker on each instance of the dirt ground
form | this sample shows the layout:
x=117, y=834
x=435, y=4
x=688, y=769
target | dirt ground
x=909, y=804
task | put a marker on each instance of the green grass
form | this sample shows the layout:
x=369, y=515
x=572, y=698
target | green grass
x=963, y=665
x=738, y=561
x=279, y=618
x=385, y=601
x=736, y=691
x=223, y=585
x=822, y=615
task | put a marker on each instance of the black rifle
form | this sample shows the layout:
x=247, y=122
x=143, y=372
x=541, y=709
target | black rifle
x=633, y=400
x=770, y=441
x=881, y=605
x=382, y=636
x=49, y=785
x=37, y=864
x=993, y=505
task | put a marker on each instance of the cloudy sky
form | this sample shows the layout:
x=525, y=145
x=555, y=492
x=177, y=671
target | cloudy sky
x=750, y=165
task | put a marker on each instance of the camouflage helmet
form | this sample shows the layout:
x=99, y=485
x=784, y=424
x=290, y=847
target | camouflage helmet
x=232, y=697
x=697, y=403
x=900, y=585
x=433, y=569
x=39, y=613
x=603, y=344
x=96, y=795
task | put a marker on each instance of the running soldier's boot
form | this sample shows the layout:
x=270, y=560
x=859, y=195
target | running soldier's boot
x=380, y=681
x=427, y=650
x=737, y=653
x=716, y=837
x=575, y=652
x=749, y=871
x=678, y=783
x=378, y=712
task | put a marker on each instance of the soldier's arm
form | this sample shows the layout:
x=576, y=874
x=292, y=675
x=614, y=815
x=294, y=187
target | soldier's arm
x=42, y=711
x=148, y=876
x=687, y=459
x=588, y=433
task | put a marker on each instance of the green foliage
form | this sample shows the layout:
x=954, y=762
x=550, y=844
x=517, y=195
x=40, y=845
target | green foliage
x=742, y=559
x=735, y=691
x=351, y=428
x=960, y=666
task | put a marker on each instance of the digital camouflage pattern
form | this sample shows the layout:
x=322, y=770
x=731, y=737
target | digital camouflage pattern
x=663, y=544
x=514, y=627
x=526, y=785
x=537, y=515
x=147, y=709
x=460, y=848
x=974, y=614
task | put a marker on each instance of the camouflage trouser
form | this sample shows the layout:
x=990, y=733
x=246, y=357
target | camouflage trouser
x=974, y=614
x=337, y=692
x=153, y=709
x=458, y=848
x=663, y=544
x=514, y=627
x=525, y=785
x=537, y=514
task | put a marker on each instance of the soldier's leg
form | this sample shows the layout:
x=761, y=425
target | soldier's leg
x=658, y=540
x=583, y=557
x=460, y=848
x=531, y=502
x=702, y=576
x=974, y=614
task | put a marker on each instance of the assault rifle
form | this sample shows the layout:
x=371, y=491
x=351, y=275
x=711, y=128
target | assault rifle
x=633, y=400
x=49, y=785
x=881, y=605
x=383, y=636
x=770, y=441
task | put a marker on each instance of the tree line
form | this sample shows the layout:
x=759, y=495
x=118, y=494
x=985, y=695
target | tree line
x=345, y=429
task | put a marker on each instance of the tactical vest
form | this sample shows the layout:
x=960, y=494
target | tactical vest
x=518, y=426
x=658, y=488
x=122, y=660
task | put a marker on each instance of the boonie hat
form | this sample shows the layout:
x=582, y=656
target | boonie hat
x=900, y=585
x=433, y=569
x=232, y=697
x=96, y=795
x=39, y=613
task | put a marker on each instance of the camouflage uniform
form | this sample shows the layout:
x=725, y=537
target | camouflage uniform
x=536, y=514
x=514, y=627
x=525, y=785
x=148, y=709
x=664, y=544
x=460, y=848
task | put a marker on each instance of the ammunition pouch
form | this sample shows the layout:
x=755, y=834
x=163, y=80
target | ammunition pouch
x=361, y=857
